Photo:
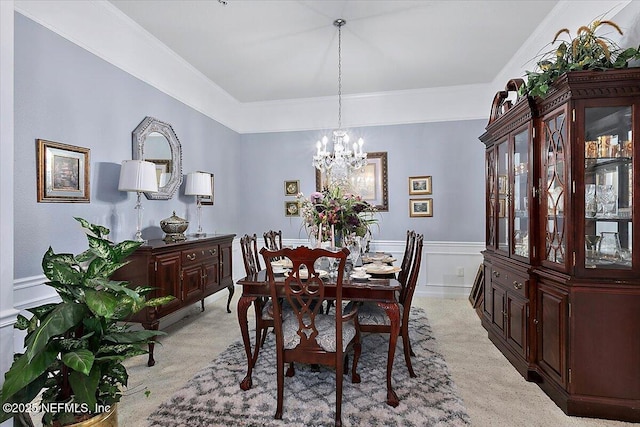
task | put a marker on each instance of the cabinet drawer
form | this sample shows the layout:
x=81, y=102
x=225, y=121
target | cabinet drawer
x=515, y=283
x=199, y=254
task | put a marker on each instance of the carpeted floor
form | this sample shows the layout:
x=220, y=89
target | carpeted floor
x=494, y=394
x=213, y=398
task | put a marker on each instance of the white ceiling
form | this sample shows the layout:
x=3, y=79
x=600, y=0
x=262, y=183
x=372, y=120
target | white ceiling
x=264, y=50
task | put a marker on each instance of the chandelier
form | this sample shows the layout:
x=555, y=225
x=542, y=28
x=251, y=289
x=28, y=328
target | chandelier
x=345, y=158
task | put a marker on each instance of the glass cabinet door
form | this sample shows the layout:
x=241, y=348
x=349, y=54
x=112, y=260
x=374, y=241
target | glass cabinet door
x=608, y=187
x=520, y=194
x=554, y=187
x=502, y=160
x=491, y=200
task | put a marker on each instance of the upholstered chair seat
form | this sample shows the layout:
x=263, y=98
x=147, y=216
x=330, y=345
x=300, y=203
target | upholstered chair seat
x=326, y=326
x=370, y=313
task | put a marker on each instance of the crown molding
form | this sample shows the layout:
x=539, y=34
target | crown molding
x=102, y=29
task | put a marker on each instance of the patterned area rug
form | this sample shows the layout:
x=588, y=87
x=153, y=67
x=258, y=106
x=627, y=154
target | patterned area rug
x=214, y=398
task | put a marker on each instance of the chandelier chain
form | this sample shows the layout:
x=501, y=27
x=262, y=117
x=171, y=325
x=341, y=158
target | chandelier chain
x=340, y=76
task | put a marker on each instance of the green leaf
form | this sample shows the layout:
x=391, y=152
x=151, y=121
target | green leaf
x=24, y=371
x=79, y=360
x=61, y=268
x=42, y=310
x=64, y=317
x=22, y=323
x=123, y=249
x=96, y=268
x=101, y=303
x=97, y=230
x=85, y=386
x=100, y=247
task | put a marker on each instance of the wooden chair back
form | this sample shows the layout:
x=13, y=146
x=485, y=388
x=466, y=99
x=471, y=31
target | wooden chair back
x=304, y=292
x=407, y=258
x=273, y=239
x=250, y=255
x=406, y=294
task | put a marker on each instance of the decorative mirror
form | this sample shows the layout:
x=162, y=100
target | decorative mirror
x=156, y=142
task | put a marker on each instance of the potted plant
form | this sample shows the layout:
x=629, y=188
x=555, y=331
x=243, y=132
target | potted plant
x=74, y=349
x=587, y=51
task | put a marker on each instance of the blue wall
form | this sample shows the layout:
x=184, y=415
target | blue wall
x=448, y=151
x=64, y=93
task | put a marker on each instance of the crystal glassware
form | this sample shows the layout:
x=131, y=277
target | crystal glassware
x=606, y=200
x=590, y=206
x=609, y=248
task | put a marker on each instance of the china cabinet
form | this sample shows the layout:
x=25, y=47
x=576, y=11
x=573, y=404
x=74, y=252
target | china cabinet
x=562, y=281
x=190, y=270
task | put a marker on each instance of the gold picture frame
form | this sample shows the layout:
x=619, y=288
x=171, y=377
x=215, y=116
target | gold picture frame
x=371, y=181
x=291, y=188
x=419, y=185
x=502, y=208
x=207, y=200
x=63, y=173
x=420, y=208
x=503, y=185
x=291, y=209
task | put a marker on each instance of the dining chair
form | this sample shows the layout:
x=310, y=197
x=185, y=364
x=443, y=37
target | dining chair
x=273, y=239
x=306, y=335
x=373, y=319
x=403, y=274
x=263, y=306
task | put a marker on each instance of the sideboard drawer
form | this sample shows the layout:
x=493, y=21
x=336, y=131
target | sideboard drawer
x=508, y=280
x=198, y=255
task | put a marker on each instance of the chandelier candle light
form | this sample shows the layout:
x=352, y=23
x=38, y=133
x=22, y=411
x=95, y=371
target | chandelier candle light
x=344, y=159
x=138, y=176
x=198, y=184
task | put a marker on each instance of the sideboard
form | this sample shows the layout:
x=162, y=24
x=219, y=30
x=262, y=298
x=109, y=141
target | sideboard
x=190, y=270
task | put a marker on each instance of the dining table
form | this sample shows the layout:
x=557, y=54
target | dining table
x=381, y=291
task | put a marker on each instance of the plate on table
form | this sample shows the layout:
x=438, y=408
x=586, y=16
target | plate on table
x=375, y=258
x=381, y=269
x=285, y=263
x=360, y=277
x=304, y=274
x=278, y=269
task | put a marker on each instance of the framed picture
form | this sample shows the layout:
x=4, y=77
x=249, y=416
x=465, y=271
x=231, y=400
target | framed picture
x=63, y=172
x=207, y=200
x=291, y=188
x=370, y=182
x=419, y=185
x=420, y=207
x=502, y=211
x=502, y=184
x=163, y=170
x=291, y=209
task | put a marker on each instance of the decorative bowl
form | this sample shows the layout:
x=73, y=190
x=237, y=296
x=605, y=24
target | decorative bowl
x=174, y=228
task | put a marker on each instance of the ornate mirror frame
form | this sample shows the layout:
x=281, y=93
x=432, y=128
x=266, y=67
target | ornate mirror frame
x=139, y=136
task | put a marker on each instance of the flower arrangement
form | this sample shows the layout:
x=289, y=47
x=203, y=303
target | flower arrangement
x=331, y=213
x=587, y=51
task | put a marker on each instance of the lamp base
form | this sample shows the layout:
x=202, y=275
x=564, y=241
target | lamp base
x=199, y=234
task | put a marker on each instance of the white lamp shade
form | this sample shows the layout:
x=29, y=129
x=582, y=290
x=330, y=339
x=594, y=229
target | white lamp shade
x=138, y=175
x=198, y=184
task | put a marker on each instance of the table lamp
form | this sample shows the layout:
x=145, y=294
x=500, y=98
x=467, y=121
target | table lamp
x=198, y=184
x=138, y=176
